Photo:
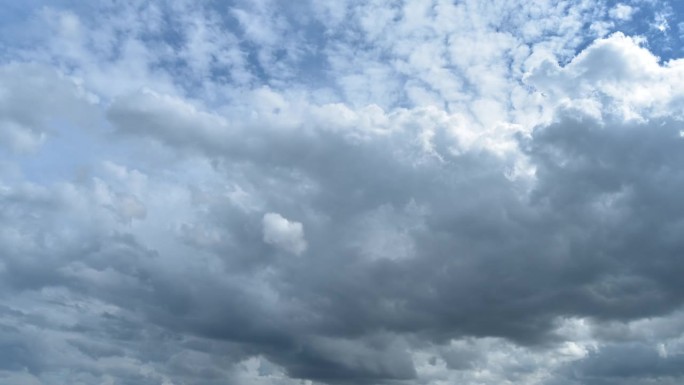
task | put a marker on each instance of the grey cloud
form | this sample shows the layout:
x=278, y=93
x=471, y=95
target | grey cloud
x=461, y=357
x=371, y=359
x=628, y=363
x=622, y=185
x=491, y=260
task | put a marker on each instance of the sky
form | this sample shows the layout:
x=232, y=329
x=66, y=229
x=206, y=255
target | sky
x=319, y=192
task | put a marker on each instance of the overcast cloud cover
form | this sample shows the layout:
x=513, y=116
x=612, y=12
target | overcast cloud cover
x=341, y=192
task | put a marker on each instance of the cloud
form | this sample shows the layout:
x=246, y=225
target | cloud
x=33, y=100
x=249, y=192
x=622, y=11
x=285, y=234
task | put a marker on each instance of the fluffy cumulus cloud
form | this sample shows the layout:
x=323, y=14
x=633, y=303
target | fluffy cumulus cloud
x=342, y=192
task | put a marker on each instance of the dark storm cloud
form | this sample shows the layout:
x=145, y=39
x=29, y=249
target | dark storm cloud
x=619, y=182
x=489, y=260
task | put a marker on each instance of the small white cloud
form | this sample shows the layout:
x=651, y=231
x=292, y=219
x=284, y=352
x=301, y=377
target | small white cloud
x=284, y=234
x=660, y=23
x=662, y=351
x=622, y=12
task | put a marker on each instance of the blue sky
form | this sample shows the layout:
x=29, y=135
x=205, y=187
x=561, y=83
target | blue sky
x=341, y=192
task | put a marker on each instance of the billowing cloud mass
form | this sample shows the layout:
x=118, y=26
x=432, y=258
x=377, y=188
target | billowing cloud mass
x=342, y=192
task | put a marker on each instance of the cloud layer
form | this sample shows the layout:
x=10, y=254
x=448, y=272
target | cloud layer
x=479, y=192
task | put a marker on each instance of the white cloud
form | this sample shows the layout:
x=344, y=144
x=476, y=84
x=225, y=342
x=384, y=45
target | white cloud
x=661, y=22
x=622, y=11
x=283, y=233
x=618, y=75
